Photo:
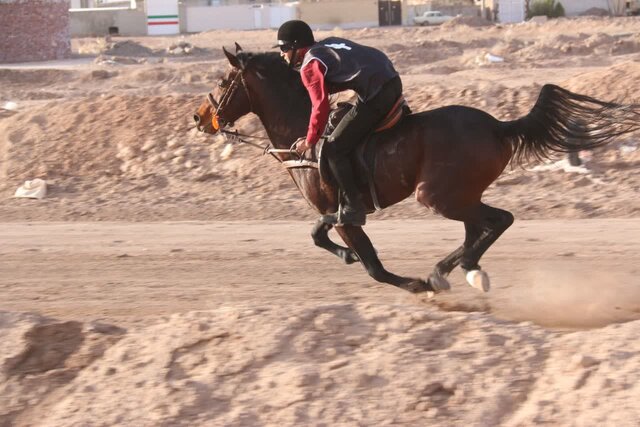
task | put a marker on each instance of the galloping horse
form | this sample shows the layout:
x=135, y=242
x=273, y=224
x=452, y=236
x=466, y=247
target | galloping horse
x=447, y=156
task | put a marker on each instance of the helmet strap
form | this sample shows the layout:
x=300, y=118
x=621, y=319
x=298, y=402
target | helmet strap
x=294, y=58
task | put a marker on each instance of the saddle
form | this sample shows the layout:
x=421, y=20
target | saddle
x=364, y=157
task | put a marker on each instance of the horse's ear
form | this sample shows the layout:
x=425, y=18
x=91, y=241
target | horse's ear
x=233, y=60
x=238, y=48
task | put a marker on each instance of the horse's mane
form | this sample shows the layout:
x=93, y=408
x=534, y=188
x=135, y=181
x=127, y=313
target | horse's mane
x=273, y=67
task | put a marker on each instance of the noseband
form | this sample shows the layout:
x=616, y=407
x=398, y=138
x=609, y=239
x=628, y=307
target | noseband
x=216, y=118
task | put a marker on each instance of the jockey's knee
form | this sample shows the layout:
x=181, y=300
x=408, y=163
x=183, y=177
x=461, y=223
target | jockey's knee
x=339, y=147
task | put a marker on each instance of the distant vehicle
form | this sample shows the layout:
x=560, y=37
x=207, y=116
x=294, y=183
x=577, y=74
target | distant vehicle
x=432, y=17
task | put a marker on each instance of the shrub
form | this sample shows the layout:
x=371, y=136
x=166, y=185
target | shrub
x=547, y=8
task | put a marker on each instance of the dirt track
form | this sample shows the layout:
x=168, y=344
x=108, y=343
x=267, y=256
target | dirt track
x=563, y=274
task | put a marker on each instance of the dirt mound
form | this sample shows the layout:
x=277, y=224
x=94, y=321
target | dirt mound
x=470, y=21
x=127, y=48
x=28, y=156
x=595, y=11
x=118, y=60
x=42, y=355
x=33, y=78
x=618, y=83
x=562, y=45
x=329, y=363
x=426, y=52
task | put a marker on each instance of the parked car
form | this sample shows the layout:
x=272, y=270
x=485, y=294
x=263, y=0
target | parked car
x=432, y=17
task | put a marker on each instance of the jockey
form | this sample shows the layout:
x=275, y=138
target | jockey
x=333, y=65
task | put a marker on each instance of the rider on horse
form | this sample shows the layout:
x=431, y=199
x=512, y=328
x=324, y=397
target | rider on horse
x=333, y=65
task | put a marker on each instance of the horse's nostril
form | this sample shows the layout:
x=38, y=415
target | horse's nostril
x=196, y=118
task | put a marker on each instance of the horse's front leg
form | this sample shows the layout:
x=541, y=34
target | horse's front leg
x=357, y=240
x=320, y=236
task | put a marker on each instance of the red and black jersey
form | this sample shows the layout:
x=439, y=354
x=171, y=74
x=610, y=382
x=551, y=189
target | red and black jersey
x=335, y=64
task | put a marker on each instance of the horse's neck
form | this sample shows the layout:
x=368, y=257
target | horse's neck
x=285, y=120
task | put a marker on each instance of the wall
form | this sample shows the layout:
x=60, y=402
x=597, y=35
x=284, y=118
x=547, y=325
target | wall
x=34, y=30
x=511, y=11
x=236, y=17
x=96, y=22
x=163, y=17
x=344, y=14
x=576, y=7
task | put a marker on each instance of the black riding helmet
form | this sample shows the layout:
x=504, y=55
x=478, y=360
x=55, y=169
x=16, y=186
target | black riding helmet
x=294, y=34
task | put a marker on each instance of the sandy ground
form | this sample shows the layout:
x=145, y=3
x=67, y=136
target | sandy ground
x=167, y=281
x=227, y=323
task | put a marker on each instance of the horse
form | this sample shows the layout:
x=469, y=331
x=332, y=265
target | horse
x=447, y=156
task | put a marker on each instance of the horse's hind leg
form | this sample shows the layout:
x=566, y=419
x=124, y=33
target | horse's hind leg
x=357, y=240
x=490, y=223
x=320, y=236
x=451, y=261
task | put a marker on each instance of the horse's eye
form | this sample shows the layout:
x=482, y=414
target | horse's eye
x=223, y=83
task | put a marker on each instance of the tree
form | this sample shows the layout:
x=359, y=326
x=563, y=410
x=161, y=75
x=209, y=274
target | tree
x=547, y=8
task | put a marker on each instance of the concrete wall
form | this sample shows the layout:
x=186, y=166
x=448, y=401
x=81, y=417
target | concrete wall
x=236, y=17
x=34, y=30
x=325, y=15
x=576, y=7
x=344, y=14
x=96, y=22
x=571, y=7
x=510, y=11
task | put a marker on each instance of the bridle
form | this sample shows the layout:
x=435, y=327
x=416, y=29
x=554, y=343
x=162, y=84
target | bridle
x=219, y=124
x=238, y=80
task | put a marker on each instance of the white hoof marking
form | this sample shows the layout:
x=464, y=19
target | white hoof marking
x=479, y=280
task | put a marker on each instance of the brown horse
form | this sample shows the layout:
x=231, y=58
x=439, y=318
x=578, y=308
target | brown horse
x=447, y=156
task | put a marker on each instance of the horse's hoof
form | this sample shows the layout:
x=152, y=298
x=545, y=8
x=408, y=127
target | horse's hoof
x=418, y=287
x=439, y=283
x=351, y=257
x=479, y=280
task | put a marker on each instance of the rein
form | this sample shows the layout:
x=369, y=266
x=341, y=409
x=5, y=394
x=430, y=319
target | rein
x=236, y=137
x=233, y=136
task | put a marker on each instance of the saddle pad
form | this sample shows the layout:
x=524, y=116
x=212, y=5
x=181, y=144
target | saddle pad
x=393, y=116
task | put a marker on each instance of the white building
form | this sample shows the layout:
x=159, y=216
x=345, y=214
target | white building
x=509, y=11
x=577, y=7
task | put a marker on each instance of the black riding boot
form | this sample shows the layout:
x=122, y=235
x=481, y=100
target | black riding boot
x=352, y=210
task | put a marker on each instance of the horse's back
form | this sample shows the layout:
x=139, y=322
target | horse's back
x=446, y=148
x=456, y=117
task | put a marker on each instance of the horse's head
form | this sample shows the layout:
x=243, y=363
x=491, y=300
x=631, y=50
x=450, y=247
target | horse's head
x=229, y=100
x=261, y=83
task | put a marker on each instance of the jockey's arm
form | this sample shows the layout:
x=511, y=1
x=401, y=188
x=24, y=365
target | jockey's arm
x=312, y=74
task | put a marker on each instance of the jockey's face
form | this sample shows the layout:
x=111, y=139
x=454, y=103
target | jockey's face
x=286, y=53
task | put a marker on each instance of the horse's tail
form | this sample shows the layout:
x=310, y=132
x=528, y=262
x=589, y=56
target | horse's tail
x=563, y=121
